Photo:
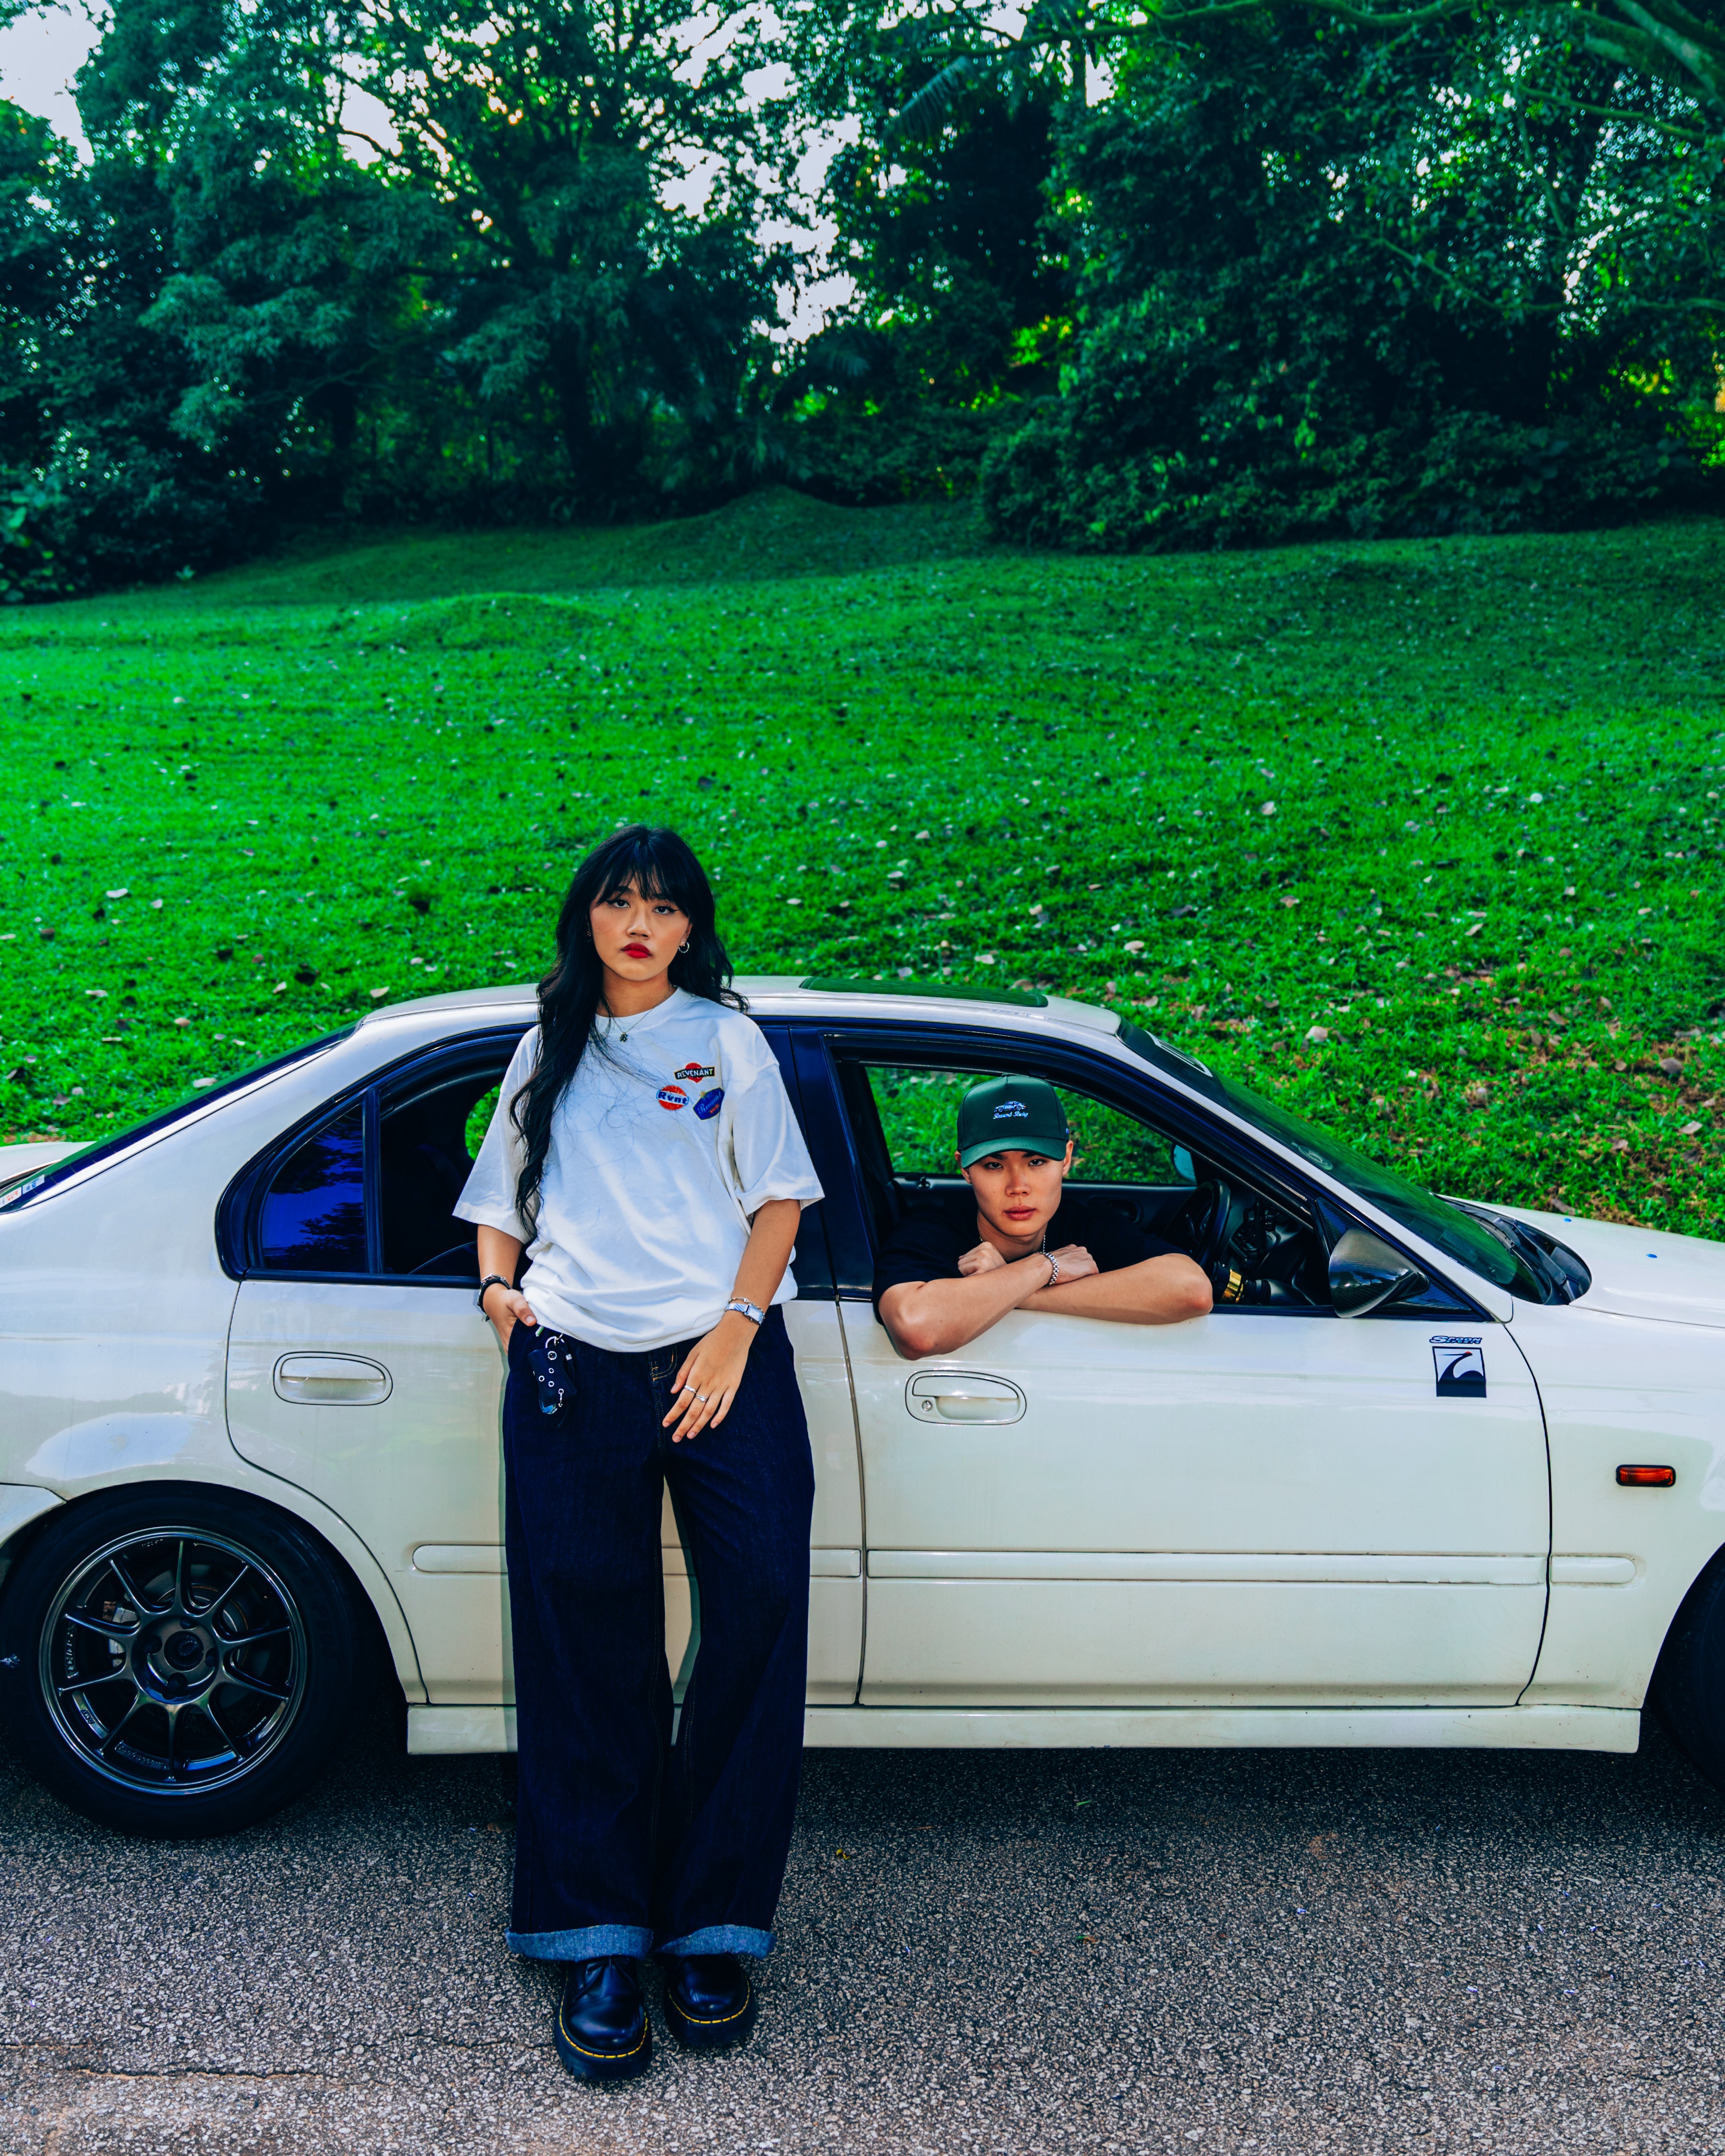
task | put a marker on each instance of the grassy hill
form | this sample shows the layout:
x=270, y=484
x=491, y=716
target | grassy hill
x=1425, y=834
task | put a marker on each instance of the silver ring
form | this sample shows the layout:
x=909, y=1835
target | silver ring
x=688, y=1389
x=703, y=1397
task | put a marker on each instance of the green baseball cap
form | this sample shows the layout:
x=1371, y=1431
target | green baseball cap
x=1011, y=1114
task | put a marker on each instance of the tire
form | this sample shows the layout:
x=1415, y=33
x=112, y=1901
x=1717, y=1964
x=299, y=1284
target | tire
x=178, y=1662
x=1688, y=1686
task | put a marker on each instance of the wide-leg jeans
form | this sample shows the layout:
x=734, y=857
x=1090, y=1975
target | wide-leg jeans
x=626, y=1843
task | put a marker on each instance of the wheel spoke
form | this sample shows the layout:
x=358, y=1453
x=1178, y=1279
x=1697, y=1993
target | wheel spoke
x=103, y=1627
x=252, y=1684
x=178, y=1604
x=106, y=1745
x=143, y=1607
x=202, y=1705
x=209, y=1614
x=251, y=1639
x=91, y=1684
x=172, y=1711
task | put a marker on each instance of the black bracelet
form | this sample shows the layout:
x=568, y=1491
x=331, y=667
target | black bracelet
x=490, y=1279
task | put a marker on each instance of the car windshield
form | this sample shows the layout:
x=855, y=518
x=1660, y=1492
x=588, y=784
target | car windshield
x=1463, y=1236
x=25, y=1188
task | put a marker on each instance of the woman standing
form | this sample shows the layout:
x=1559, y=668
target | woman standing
x=645, y=1156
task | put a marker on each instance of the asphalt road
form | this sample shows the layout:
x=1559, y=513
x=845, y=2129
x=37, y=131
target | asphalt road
x=1025, y=1953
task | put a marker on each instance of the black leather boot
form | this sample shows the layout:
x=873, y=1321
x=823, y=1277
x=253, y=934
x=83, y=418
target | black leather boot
x=709, y=2001
x=602, y=2032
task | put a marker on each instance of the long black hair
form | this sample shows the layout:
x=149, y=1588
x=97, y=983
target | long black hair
x=660, y=865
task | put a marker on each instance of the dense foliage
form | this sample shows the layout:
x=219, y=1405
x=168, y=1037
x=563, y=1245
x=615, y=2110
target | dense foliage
x=1424, y=836
x=405, y=260
x=1455, y=281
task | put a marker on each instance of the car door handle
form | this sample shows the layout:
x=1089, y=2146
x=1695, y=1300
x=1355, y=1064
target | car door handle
x=963, y=1396
x=331, y=1380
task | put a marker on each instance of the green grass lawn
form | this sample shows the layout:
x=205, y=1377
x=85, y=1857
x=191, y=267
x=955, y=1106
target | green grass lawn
x=1423, y=835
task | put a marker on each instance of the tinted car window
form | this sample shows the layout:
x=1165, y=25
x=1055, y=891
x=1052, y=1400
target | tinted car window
x=313, y=1216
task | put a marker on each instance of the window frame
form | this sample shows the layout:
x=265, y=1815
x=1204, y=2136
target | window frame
x=934, y=1046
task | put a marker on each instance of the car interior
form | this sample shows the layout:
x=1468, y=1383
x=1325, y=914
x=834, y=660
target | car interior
x=902, y=1118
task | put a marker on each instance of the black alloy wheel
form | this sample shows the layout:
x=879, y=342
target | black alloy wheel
x=176, y=1663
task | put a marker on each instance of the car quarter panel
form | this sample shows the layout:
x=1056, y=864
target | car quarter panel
x=1621, y=1391
x=115, y=1312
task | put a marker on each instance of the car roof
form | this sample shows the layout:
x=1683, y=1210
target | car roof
x=791, y=995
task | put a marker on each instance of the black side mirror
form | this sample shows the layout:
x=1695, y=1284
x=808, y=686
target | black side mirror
x=1365, y=1274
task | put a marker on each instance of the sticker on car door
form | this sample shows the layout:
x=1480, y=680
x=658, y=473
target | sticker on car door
x=1459, y=1359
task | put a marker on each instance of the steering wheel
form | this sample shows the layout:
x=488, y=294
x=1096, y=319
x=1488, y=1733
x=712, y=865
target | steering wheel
x=1202, y=1222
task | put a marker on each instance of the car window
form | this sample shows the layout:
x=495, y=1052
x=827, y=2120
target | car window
x=918, y=1111
x=313, y=1214
x=373, y=1188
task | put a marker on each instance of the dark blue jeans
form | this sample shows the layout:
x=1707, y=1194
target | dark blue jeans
x=626, y=1843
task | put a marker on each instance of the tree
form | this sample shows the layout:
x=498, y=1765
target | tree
x=1340, y=283
x=584, y=310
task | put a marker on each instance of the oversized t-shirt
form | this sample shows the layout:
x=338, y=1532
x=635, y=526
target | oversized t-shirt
x=676, y=1128
x=938, y=1229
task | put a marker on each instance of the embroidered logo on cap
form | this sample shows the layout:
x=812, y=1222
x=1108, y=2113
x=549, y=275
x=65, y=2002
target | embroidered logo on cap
x=709, y=1103
x=691, y=1073
x=672, y=1096
x=1008, y=1109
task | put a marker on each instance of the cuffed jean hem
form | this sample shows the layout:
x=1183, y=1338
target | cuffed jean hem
x=719, y=1939
x=589, y=1942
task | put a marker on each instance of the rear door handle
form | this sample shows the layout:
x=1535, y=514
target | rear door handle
x=332, y=1381
x=963, y=1396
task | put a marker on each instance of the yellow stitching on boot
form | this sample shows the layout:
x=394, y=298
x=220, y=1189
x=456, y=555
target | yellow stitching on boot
x=564, y=2030
x=716, y=2020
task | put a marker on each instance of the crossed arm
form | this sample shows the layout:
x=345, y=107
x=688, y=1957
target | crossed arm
x=936, y=1317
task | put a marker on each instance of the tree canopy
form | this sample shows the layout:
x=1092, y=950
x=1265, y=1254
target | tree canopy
x=1204, y=272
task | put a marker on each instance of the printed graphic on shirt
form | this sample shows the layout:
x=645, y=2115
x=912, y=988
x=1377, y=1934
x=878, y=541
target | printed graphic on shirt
x=691, y=1073
x=709, y=1104
x=1459, y=1359
x=672, y=1096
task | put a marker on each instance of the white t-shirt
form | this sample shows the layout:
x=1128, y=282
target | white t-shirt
x=674, y=1130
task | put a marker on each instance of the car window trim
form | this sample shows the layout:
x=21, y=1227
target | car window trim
x=931, y=1046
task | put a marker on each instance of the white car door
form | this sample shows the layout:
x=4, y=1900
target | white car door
x=359, y=1370
x=1282, y=1508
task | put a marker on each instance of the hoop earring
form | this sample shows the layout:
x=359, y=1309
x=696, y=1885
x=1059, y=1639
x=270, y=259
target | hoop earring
x=682, y=948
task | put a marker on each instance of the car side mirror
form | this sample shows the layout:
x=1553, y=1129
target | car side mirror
x=1365, y=1274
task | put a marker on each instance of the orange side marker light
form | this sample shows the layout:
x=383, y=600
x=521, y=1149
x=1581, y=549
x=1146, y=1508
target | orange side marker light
x=1646, y=1478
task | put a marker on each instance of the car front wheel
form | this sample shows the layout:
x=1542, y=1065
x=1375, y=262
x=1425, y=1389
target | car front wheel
x=176, y=1663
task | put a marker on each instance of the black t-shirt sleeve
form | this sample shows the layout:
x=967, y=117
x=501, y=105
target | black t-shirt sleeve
x=925, y=1246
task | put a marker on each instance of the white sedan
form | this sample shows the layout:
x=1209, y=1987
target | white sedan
x=1461, y=1483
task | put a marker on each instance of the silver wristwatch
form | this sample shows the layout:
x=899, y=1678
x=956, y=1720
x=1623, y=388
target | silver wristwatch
x=1054, y=1269
x=744, y=1308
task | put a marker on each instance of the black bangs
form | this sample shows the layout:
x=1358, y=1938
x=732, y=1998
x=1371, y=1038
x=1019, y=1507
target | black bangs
x=657, y=862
